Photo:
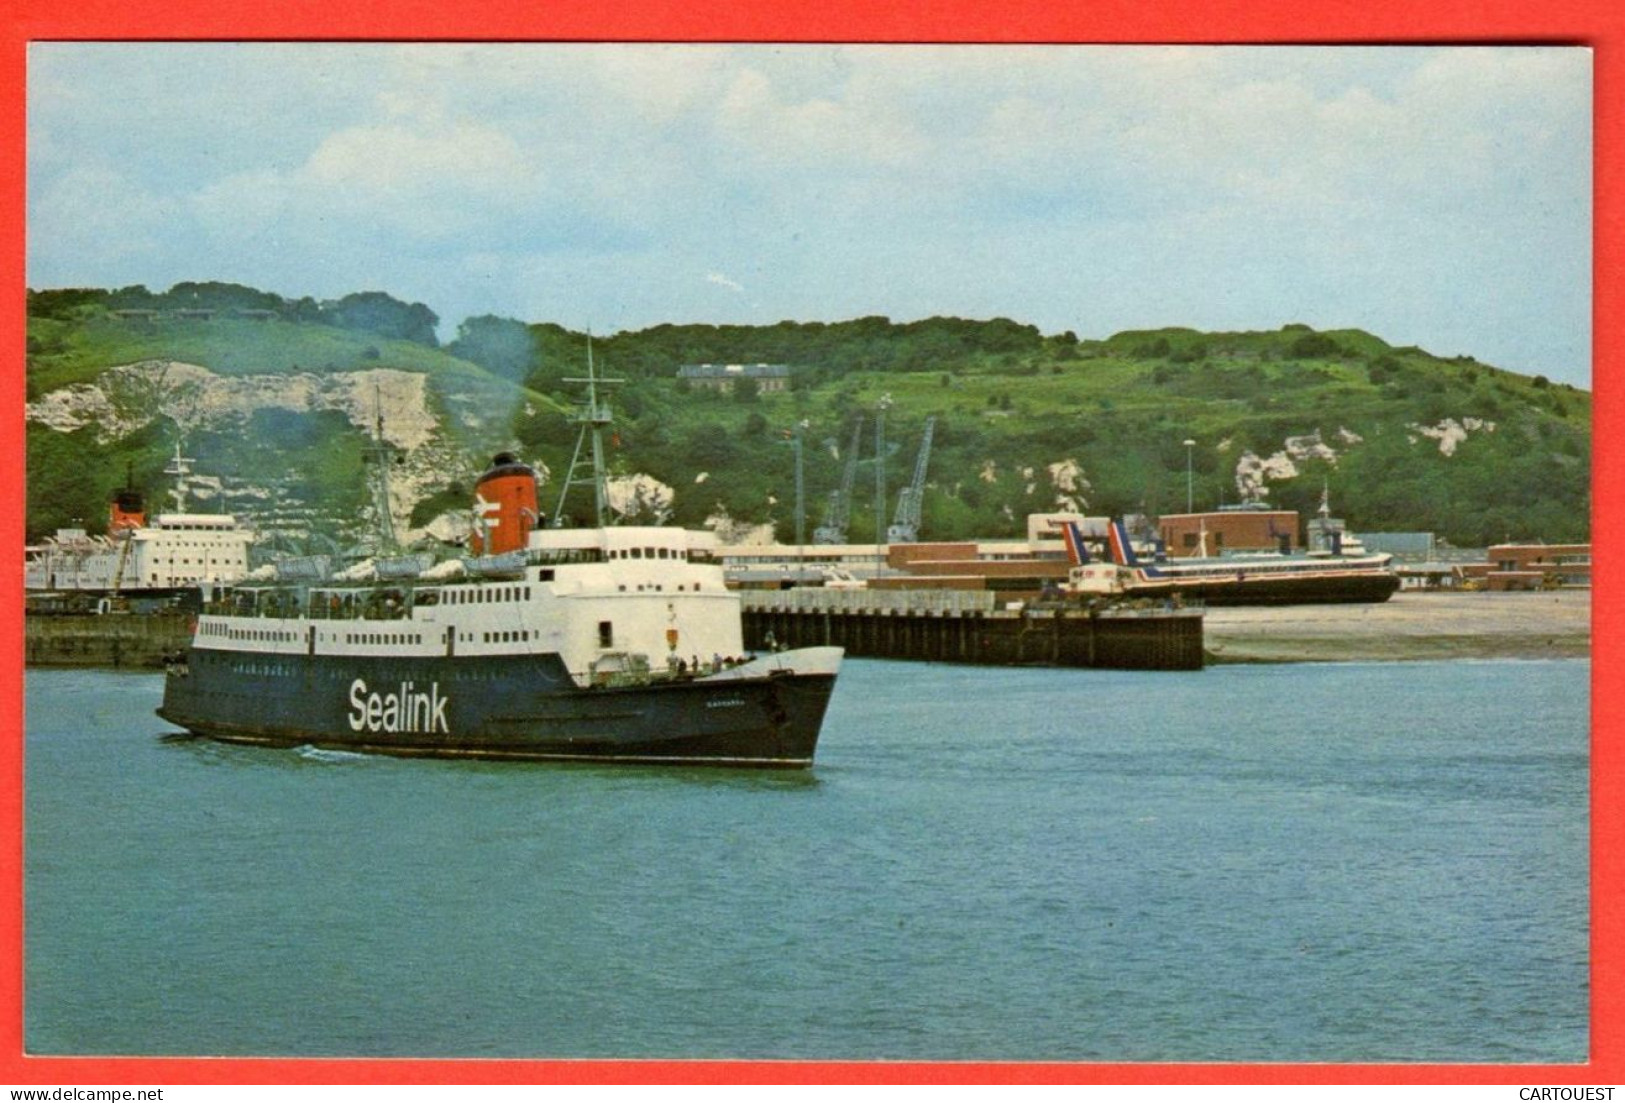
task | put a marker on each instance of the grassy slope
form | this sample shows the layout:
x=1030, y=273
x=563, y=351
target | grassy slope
x=315, y=457
x=76, y=352
x=1124, y=418
x=1121, y=407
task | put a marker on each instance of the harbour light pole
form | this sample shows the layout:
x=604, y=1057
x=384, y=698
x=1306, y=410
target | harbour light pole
x=793, y=439
x=1190, y=495
x=880, y=482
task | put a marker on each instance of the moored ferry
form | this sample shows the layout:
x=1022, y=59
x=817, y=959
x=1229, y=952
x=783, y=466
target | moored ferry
x=167, y=555
x=1261, y=579
x=608, y=644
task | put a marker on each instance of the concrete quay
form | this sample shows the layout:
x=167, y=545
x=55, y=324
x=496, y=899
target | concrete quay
x=119, y=641
x=1410, y=625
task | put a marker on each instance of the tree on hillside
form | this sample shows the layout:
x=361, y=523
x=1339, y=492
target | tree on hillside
x=559, y=353
x=63, y=302
x=65, y=481
x=376, y=312
x=1314, y=346
x=212, y=295
x=929, y=350
x=500, y=345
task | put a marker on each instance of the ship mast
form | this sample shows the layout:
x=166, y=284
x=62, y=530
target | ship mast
x=378, y=454
x=180, y=467
x=594, y=417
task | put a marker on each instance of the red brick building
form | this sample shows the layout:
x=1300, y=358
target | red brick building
x=1230, y=530
x=1533, y=567
x=961, y=566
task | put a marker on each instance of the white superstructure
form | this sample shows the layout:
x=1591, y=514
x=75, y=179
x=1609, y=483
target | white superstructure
x=613, y=603
x=177, y=551
x=180, y=550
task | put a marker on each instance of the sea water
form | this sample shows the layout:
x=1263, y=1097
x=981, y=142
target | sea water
x=1308, y=862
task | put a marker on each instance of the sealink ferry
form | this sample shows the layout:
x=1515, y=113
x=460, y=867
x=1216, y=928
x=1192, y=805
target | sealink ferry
x=1260, y=579
x=608, y=644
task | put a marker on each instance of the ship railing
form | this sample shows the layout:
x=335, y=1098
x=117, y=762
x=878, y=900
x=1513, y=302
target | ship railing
x=374, y=604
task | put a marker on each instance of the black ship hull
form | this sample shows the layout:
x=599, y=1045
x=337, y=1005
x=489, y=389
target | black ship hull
x=523, y=707
x=1263, y=588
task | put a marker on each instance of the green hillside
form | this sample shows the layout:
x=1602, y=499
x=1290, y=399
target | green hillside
x=1406, y=440
x=1010, y=401
x=308, y=462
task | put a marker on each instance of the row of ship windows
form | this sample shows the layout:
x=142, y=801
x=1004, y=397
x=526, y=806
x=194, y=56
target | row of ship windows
x=266, y=635
x=337, y=674
x=213, y=545
x=390, y=639
x=366, y=639
x=488, y=593
x=382, y=639
x=646, y=553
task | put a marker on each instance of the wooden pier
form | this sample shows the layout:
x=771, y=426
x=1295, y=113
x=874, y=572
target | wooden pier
x=968, y=627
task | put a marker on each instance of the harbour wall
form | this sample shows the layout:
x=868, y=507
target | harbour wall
x=133, y=641
x=968, y=627
x=938, y=626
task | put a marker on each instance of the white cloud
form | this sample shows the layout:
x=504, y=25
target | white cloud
x=94, y=212
x=395, y=163
x=764, y=123
x=242, y=207
x=1435, y=196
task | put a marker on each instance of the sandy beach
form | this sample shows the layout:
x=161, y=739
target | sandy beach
x=1481, y=625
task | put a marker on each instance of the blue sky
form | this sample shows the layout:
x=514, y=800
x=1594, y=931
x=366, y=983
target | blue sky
x=1439, y=197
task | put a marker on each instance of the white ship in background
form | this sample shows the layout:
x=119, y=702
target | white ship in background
x=169, y=555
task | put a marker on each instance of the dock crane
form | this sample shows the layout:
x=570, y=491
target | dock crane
x=905, y=526
x=839, y=508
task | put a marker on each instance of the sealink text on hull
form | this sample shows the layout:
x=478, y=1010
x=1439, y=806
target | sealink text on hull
x=765, y=712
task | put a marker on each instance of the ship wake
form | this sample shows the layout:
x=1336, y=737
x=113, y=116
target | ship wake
x=324, y=754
